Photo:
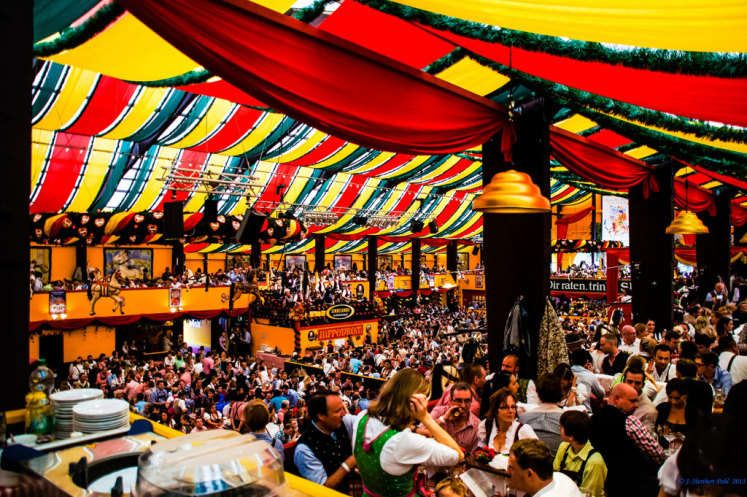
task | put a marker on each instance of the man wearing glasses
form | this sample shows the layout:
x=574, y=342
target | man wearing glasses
x=456, y=417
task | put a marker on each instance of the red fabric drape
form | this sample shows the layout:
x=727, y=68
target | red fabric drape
x=701, y=97
x=693, y=198
x=599, y=164
x=613, y=273
x=322, y=80
x=688, y=240
x=729, y=180
x=738, y=214
x=570, y=219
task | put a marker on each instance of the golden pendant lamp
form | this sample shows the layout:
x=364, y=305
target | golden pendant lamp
x=687, y=223
x=743, y=239
x=511, y=192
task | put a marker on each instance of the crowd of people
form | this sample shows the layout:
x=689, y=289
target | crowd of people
x=628, y=413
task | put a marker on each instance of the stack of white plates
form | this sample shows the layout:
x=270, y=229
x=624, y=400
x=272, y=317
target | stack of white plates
x=63, y=403
x=99, y=415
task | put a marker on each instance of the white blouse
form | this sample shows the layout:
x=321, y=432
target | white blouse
x=483, y=440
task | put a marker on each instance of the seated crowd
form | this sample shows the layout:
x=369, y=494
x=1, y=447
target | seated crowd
x=625, y=414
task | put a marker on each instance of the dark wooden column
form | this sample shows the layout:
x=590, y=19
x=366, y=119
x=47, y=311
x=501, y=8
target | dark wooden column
x=452, y=259
x=177, y=257
x=16, y=26
x=319, y=252
x=255, y=257
x=713, y=251
x=415, y=270
x=651, y=250
x=373, y=263
x=517, y=246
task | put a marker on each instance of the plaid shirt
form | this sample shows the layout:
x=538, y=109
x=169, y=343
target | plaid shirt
x=466, y=436
x=644, y=440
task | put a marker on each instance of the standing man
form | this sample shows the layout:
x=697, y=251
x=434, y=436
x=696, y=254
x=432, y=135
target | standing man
x=645, y=412
x=324, y=452
x=631, y=344
x=631, y=453
x=614, y=360
x=456, y=418
x=661, y=368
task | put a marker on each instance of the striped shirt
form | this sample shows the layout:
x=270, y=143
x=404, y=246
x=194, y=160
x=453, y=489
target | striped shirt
x=466, y=436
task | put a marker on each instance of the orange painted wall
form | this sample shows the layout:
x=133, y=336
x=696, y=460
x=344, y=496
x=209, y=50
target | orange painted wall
x=137, y=301
x=89, y=340
x=33, y=348
x=272, y=336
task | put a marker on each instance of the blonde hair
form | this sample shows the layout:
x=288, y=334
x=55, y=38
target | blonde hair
x=454, y=484
x=392, y=407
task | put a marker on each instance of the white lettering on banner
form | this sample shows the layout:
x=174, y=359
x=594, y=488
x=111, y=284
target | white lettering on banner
x=585, y=285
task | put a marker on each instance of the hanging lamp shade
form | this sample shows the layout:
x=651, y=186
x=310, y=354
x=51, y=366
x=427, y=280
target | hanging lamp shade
x=743, y=240
x=687, y=223
x=511, y=192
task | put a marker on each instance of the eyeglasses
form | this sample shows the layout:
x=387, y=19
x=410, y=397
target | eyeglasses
x=503, y=408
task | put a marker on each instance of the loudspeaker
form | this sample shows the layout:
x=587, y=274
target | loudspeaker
x=475, y=250
x=360, y=220
x=416, y=226
x=433, y=226
x=248, y=232
x=173, y=220
x=210, y=213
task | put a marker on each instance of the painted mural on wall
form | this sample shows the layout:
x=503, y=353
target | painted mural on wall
x=131, y=263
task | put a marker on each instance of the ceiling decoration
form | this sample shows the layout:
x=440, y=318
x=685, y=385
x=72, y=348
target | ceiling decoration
x=115, y=106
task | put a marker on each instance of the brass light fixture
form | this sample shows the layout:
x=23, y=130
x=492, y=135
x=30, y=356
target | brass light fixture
x=511, y=192
x=687, y=223
x=743, y=240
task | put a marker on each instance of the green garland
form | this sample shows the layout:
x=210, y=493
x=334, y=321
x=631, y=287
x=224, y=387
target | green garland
x=309, y=14
x=73, y=37
x=725, y=162
x=192, y=77
x=671, y=61
x=582, y=99
x=602, y=104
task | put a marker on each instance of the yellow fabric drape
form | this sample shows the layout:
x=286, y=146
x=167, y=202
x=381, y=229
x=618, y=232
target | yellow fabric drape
x=692, y=25
x=131, y=51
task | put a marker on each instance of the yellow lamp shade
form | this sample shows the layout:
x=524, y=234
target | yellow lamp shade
x=743, y=240
x=511, y=192
x=687, y=223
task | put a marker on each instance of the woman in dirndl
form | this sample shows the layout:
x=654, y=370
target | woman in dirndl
x=387, y=450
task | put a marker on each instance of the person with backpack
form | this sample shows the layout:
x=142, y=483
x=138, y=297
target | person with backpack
x=576, y=457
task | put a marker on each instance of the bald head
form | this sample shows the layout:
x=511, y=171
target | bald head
x=628, y=334
x=624, y=397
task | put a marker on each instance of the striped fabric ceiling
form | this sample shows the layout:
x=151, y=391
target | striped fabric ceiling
x=114, y=109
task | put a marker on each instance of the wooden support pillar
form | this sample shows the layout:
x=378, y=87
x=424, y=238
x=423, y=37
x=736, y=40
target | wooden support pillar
x=177, y=257
x=319, y=252
x=713, y=251
x=415, y=272
x=519, y=244
x=16, y=26
x=651, y=250
x=255, y=257
x=373, y=258
x=452, y=259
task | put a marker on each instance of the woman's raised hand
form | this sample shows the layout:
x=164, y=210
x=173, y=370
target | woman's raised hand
x=419, y=406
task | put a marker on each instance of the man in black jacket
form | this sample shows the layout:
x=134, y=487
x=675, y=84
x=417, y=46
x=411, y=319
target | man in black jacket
x=631, y=453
